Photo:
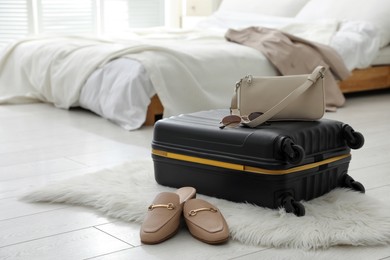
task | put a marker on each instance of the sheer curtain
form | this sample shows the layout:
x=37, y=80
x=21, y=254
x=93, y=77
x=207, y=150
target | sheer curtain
x=21, y=18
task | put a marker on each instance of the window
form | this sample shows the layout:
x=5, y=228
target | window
x=66, y=16
x=14, y=20
x=20, y=18
x=146, y=13
x=121, y=15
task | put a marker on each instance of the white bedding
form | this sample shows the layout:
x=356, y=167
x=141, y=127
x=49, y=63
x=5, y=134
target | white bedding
x=190, y=71
x=356, y=41
x=197, y=75
x=119, y=91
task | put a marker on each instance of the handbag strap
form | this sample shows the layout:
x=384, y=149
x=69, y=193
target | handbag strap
x=311, y=80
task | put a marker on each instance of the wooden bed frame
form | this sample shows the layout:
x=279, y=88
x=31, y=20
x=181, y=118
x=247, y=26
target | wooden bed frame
x=373, y=78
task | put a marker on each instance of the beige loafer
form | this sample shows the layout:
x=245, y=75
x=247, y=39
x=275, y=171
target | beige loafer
x=163, y=218
x=205, y=222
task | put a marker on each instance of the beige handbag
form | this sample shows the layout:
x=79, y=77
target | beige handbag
x=296, y=97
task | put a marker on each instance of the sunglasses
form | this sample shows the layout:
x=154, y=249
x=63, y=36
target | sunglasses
x=234, y=120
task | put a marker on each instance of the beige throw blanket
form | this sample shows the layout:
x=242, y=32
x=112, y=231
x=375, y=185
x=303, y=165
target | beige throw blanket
x=292, y=55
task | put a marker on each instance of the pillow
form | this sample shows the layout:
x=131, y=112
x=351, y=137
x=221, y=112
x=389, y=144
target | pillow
x=284, y=8
x=376, y=12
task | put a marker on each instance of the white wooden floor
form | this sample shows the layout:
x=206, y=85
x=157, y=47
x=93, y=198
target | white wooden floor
x=40, y=144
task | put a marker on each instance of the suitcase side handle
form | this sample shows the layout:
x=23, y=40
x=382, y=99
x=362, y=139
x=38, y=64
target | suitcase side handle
x=292, y=152
x=354, y=139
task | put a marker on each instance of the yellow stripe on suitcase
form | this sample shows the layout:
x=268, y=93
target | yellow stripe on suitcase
x=245, y=168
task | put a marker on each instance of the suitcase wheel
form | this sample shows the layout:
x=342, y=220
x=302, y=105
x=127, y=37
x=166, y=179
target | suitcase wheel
x=355, y=140
x=352, y=184
x=292, y=206
x=293, y=153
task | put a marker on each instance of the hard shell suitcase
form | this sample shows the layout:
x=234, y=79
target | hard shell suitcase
x=274, y=165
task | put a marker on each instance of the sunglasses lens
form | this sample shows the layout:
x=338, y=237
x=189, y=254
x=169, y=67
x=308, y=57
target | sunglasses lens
x=231, y=121
x=254, y=115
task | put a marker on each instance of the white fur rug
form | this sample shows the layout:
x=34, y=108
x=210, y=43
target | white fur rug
x=341, y=217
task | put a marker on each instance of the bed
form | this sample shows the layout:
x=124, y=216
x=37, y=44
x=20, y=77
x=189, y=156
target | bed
x=149, y=74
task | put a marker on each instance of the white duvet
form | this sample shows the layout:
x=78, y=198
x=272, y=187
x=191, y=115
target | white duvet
x=189, y=71
x=199, y=74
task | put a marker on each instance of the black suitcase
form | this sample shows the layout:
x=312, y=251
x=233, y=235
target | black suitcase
x=274, y=165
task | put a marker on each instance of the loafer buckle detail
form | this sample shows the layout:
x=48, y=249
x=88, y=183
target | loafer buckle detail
x=195, y=211
x=169, y=206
